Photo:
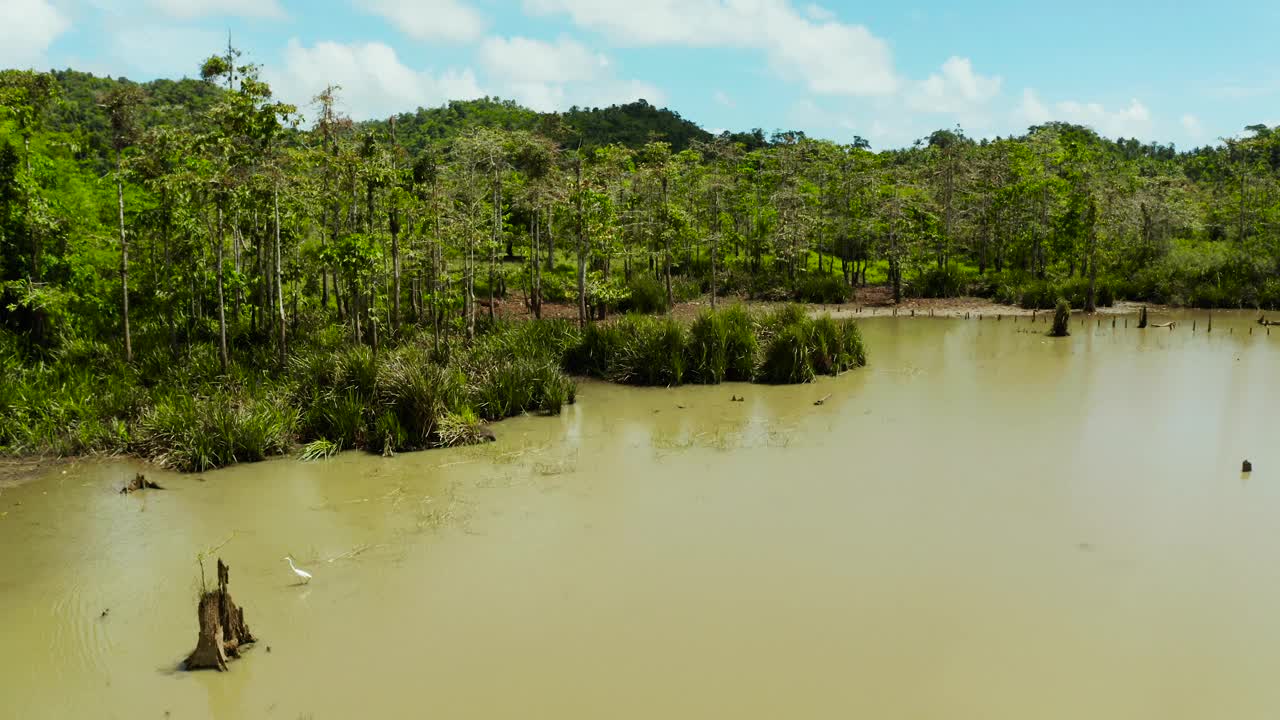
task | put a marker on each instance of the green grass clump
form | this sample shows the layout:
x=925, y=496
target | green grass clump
x=599, y=344
x=822, y=290
x=412, y=395
x=652, y=352
x=198, y=434
x=462, y=428
x=645, y=294
x=722, y=346
x=853, y=352
x=788, y=356
x=781, y=317
x=708, y=349
x=319, y=450
x=742, y=348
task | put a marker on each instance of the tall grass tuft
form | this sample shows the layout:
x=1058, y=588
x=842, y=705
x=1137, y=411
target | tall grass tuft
x=742, y=349
x=708, y=349
x=462, y=428
x=194, y=435
x=599, y=344
x=652, y=352
x=852, y=349
x=824, y=346
x=781, y=317
x=788, y=356
x=645, y=294
x=412, y=395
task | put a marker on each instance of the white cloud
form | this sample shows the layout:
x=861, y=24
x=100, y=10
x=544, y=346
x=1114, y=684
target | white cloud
x=374, y=82
x=722, y=98
x=1133, y=120
x=164, y=51
x=829, y=57
x=1191, y=124
x=553, y=76
x=27, y=28
x=525, y=60
x=189, y=9
x=819, y=13
x=550, y=97
x=1032, y=111
x=430, y=19
x=956, y=89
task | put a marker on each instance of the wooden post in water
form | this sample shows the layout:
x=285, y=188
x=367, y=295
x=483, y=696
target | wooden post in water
x=1113, y=322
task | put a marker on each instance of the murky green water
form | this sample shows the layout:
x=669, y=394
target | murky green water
x=984, y=524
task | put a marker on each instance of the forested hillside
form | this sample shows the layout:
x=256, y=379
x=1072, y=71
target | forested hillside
x=200, y=236
x=382, y=222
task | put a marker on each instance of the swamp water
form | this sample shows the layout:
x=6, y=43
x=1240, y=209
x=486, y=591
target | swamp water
x=984, y=523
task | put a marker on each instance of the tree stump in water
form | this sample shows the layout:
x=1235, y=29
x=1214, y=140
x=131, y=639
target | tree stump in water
x=1246, y=467
x=1142, y=319
x=1061, y=320
x=222, y=628
x=139, y=482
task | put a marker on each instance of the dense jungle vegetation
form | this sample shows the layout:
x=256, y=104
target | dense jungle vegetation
x=193, y=261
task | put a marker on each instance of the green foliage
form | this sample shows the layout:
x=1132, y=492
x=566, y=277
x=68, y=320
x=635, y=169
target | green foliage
x=198, y=434
x=722, y=346
x=319, y=450
x=942, y=282
x=645, y=294
x=652, y=352
x=853, y=352
x=798, y=348
x=413, y=394
x=788, y=356
x=822, y=290
x=600, y=343
x=461, y=428
x=742, y=348
x=708, y=348
x=825, y=347
x=1061, y=320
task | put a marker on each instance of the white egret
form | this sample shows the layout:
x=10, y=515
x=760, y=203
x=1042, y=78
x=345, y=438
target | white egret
x=306, y=576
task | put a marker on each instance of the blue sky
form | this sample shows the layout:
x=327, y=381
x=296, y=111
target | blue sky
x=889, y=71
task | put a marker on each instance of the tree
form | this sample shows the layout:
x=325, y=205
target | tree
x=122, y=104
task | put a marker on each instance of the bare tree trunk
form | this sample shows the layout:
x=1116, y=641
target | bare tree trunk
x=124, y=263
x=666, y=246
x=470, y=273
x=715, y=250
x=493, y=240
x=582, y=246
x=222, y=311
x=279, y=293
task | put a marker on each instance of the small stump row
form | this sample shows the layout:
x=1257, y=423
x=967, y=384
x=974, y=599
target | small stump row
x=223, y=631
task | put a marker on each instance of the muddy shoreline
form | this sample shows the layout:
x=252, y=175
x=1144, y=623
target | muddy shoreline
x=876, y=301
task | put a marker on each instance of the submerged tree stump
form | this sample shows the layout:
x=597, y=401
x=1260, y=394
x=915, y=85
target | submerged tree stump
x=1061, y=320
x=223, y=630
x=1142, y=319
x=139, y=482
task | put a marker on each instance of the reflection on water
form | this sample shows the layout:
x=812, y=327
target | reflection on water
x=986, y=523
